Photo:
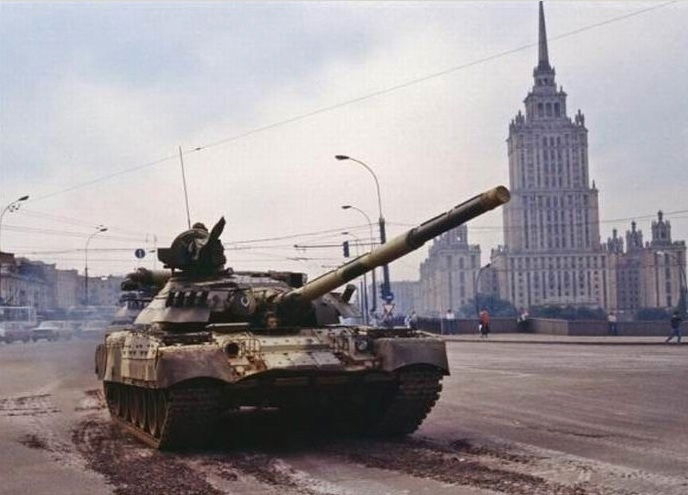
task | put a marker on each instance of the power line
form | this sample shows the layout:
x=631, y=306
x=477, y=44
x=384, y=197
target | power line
x=374, y=94
x=305, y=234
x=550, y=224
x=62, y=233
x=77, y=221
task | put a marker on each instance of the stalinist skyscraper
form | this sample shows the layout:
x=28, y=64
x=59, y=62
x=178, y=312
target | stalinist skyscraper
x=552, y=252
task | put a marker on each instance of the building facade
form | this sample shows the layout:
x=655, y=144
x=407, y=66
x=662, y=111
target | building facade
x=25, y=282
x=552, y=252
x=406, y=296
x=650, y=274
x=447, y=275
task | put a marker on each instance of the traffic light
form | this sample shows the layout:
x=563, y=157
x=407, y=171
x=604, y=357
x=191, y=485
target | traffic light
x=345, y=246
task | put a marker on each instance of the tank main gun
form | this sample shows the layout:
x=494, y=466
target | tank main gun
x=401, y=245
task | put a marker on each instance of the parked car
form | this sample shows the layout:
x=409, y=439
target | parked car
x=53, y=330
x=10, y=332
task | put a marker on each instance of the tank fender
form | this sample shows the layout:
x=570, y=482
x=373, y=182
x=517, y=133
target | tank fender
x=395, y=353
x=179, y=363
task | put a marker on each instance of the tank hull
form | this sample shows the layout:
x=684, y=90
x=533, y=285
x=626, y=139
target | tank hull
x=172, y=391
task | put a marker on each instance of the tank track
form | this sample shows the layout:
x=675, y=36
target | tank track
x=418, y=390
x=175, y=418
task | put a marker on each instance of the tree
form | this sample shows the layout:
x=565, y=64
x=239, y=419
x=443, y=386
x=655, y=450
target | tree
x=494, y=305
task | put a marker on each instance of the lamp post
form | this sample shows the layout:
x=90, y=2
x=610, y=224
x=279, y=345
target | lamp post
x=364, y=282
x=682, y=282
x=372, y=245
x=11, y=207
x=475, y=288
x=99, y=229
x=386, y=292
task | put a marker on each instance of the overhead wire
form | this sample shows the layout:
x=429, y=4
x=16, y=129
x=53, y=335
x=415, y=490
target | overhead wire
x=575, y=224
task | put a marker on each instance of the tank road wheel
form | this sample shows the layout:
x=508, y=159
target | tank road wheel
x=123, y=412
x=190, y=416
x=403, y=411
x=123, y=409
x=138, y=413
x=181, y=417
x=111, y=392
x=155, y=412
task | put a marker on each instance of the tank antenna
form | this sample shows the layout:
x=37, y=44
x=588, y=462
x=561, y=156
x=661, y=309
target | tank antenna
x=186, y=195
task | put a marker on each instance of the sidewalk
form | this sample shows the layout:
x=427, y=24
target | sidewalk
x=531, y=338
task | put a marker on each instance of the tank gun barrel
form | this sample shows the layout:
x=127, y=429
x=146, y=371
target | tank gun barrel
x=403, y=244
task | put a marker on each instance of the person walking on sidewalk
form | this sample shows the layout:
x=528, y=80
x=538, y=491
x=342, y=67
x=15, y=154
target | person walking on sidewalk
x=611, y=323
x=675, y=328
x=522, y=321
x=484, y=323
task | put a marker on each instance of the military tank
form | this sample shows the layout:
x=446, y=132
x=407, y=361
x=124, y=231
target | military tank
x=214, y=340
x=138, y=289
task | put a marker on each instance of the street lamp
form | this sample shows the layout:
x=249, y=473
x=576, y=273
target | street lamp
x=475, y=288
x=372, y=245
x=11, y=207
x=99, y=229
x=364, y=282
x=682, y=282
x=386, y=292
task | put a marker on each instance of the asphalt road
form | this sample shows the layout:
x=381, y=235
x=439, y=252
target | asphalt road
x=513, y=418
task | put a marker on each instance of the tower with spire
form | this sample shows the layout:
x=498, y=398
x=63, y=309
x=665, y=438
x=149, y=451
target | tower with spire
x=552, y=252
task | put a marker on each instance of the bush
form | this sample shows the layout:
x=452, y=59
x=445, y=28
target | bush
x=568, y=312
x=494, y=305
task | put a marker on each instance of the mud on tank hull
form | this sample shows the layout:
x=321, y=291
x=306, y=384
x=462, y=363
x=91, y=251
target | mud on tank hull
x=171, y=390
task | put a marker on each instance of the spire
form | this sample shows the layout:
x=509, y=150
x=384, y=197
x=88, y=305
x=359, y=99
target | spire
x=543, y=56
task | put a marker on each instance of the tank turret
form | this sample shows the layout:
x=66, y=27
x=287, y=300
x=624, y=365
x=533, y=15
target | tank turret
x=202, y=290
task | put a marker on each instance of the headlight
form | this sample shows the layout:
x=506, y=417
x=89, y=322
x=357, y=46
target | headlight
x=361, y=344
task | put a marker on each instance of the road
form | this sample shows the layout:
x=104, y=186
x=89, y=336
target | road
x=512, y=418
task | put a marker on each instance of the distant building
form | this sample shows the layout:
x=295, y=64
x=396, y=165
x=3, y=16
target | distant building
x=70, y=289
x=104, y=291
x=406, y=296
x=648, y=275
x=448, y=274
x=552, y=252
x=25, y=282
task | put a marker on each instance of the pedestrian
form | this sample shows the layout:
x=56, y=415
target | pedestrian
x=611, y=324
x=522, y=321
x=411, y=320
x=484, y=323
x=675, y=328
x=451, y=321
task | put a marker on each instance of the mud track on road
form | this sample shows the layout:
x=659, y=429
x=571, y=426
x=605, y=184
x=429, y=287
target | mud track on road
x=134, y=469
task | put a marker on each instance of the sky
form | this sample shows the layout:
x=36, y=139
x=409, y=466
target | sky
x=96, y=99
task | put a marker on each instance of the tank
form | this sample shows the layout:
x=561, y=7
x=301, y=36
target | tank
x=214, y=340
x=138, y=289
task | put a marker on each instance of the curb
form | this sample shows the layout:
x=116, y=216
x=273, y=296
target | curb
x=560, y=342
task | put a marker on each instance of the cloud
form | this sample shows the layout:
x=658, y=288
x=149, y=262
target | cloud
x=123, y=86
